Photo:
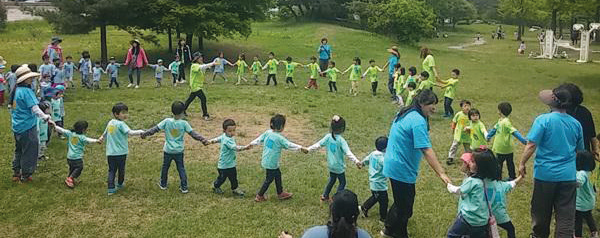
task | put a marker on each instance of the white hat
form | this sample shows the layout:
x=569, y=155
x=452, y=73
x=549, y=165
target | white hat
x=24, y=72
x=2, y=61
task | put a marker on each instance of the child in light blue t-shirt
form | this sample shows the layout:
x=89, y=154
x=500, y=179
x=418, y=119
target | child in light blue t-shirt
x=586, y=194
x=97, y=75
x=159, y=70
x=377, y=181
x=175, y=129
x=85, y=67
x=42, y=126
x=117, y=146
x=228, y=158
x=76, y=142
x=337, y=148
x=112, y=69
x=69, y=69
x=274, y=142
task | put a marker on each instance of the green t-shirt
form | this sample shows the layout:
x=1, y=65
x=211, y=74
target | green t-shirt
x=332, y=74
x=116, y=134
x=314, y=70
x=56, y=104
x=426, y=84
x=197, y=77
x=272, y=65
x=174, y=67
x=175, y=130
x=273, y=142
x=241, y=67
x=586, y=196
x=410, y=97
x=472, y=204
x=372, y=73
x=76, y=144
x=451, y=88
x=503, y=141
x=256, y=65
x=399, y=82
x=355, y=71
x=428, y=64
x=410, y=79
x=478, y=134
x=228, y=152
x=461, y=119
x=290, y=68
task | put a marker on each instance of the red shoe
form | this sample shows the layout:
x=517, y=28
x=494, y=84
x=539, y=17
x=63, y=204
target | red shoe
x=16, y=177
x=69, y=182
x=259, y=198
x=27, y=180
x=284, y=195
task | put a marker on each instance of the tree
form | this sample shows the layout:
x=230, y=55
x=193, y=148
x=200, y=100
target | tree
x=486, y=9
x=453, y=10
x=3, y=16
x=520, y=11
x=406, y=26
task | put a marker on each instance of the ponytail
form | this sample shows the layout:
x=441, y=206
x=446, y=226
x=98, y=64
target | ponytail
x=338, y=125
x=342, y=228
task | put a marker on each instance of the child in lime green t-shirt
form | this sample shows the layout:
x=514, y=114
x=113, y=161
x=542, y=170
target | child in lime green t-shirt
x=256, y=66
x=332, y=73
x=450, y=92
x=272, y=66
x=476, y=130
x=315, y=71
x=424, y=82
x=371, y=74
x=399, y=79
x=241, y=68
x=355, y=72
x=290, y=69
x=503, y=146
x=412, y=92
x=459, y=122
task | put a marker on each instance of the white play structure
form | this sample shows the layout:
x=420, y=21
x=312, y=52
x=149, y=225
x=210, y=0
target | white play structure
x=549, y=44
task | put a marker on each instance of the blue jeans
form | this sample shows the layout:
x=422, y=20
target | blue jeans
x=448, y=107
x=164, y=174
x=332, y=177
x=391, y=85
x=462, y=228
x=116, y=164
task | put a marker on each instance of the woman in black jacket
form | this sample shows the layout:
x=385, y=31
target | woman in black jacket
x=185, y=55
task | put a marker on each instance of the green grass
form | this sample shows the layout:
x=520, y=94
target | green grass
x=491, y=73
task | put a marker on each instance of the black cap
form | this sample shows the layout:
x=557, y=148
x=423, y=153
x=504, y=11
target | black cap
x=196, y=55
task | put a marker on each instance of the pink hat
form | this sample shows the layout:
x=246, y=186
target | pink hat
x=468, y=159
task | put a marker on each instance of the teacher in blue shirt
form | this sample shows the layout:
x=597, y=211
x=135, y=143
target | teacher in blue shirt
x=391, y=63
x=555, y=137
x=324, y=51
x=408, y=142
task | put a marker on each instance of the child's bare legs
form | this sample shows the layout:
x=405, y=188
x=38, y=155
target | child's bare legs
x=354, y=89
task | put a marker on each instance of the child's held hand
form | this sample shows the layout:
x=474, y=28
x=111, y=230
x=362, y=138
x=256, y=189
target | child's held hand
x=304, y=150
x=285, y=234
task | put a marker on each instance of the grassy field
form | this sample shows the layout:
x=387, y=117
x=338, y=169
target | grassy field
x=491, y=73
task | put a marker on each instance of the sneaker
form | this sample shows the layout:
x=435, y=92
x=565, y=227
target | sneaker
x=130, y=85
x=16, y=177
x=120, y=186
x=42, y=157
x=207, y=118
x=184, y=190
x=238, y=192
x=324, y=199
x=450, y=161
x=384, y=234
x=364, y=211
x=26, y=179
x=259, y=198
x=161, y=187
x=137, y=86
x=284, y=195
x=69, y=182
x=218, y=191
x=111, y=191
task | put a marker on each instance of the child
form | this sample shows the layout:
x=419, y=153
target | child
x=377, y=181
x=76, y=142
x=399, y=79
x=97, y=70
x=112, y=69
x=494, y=198
x=57, y=109
x=371, y=72
x=197, y=83
x=274, y=142
x=58, y=75
x=174, y=68
x=503, y=146
x=412, y=72
x=412, y=92
x=460, y=136
x=424, y=82
x=586, y=194
x=332, y=73
x=355, y=72
x=337, y=148
x=272, y=65
x=315, y=70
x=241, y=70
x=85, y=67
x=46, y=69
x=450, y=93
x=117, y=146
x=175, y=129
x=69, y=69
x=11, y=77
x=220, y=67
x=159, y=69
x=476, y=130
x=522, y=48
x=227, y=158
x=42, y=126
x=256, y=66
x=290, y=68
x=2, y=84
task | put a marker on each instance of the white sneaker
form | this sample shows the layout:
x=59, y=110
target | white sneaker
x=182, y=81
x=130, y=85
x=137, y=86
x=161, y=187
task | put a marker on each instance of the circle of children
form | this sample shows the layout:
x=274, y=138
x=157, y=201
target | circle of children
x=32, y=121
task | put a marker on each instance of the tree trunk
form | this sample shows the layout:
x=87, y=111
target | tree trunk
x=103, y=47
x=519, y=32
x=200, y=42
x=301, y=11
x=554, y=19
x=560, y=27
x=178, y=34
x=188, y=39
x=169, y=32
x=292, y=11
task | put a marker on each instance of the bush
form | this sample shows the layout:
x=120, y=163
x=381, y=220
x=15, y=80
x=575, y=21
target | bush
x=3, y=16
x=390, y=18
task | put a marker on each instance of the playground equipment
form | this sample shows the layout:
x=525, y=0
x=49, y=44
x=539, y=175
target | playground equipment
x=584, y=50
x=548, y=46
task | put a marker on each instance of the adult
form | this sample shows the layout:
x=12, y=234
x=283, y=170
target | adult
x=555, y=138
x=584, y=117
x=343, y=213
x=391, y=63
x=429, y=64
x=408, y=142
x=136, y=60
x=53, y=50
x=24, y=124
x=197, y=78
x=185, y=56
x=324, y=51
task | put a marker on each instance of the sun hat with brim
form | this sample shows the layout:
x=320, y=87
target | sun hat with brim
x=136, y=41
x=2, y=61
x=56, y=39
x=24, y=72
x=393, y=50
x=60, y=87
x=548, y=97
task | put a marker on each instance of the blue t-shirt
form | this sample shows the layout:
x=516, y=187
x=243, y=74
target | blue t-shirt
x=22, y=117
x=377, y=181
x=558, y=137
x=116, y=134
x=220, y=67
x=42, y=127
x=113, y=70
x=175, y=130
x=46, y=70
x=337, y=149
x=76, y=145
x=325, y=52
x=273, y=142
x=408, y=136
x=84, y=66
x=11, y=78
x=392, y=61
x=97, y=73
x=58, y=76
x=323, y=232
x=158, y=70
x=69, y=69
x=228, y=151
